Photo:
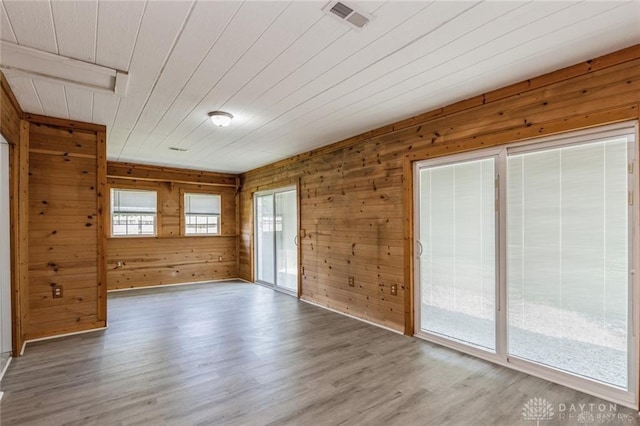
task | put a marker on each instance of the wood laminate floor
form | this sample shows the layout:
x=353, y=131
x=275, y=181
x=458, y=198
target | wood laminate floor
x=241, y=354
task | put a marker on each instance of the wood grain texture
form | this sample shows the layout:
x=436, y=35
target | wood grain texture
x=241, y=354
x=19, y=205
x=355, y=196
x=171, y=257
x=65, y=236
x=10, y=113
x=143, y=172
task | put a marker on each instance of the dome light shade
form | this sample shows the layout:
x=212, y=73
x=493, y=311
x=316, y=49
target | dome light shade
x=220, y=118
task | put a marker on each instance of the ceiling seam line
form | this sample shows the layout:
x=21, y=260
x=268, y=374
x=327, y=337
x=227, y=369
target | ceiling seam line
x=66, y=101
x=378, y=60
x=6, y=13
x=35, y=90
x=135, y=42
x=162, y=68
x=347, y=31
x=95, y=36
x=255, y=76
x=133, y=49
x=53, y=23
x=229, y=69
x=417, y=59
x=491, y=57
x=198, y=66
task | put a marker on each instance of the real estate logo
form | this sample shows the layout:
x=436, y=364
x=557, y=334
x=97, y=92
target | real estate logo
x=538, y=410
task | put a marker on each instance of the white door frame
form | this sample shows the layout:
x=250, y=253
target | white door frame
x=6, y=342
x=628, y=398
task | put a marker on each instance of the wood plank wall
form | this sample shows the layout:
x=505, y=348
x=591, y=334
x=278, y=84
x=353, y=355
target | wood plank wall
x=65, y=227
x=355, y=204
x=16, y=132
x=171, y=257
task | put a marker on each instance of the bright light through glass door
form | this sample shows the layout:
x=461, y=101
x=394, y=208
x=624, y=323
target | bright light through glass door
x=457, y=223
x=568, y=257
x=286, y=238
x=276, y=235
x=265, y=233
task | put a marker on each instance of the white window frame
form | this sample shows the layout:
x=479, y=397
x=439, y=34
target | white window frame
x=628, y=397
x=113, y=214
x=186, y=215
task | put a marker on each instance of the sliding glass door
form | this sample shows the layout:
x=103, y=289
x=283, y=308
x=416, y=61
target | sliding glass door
x=458, y=262
x=525, y=257
x=276, y=230
x=568, y=258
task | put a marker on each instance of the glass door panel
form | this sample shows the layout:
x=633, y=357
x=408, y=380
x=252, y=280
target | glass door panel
x=568, y=257
x=286, y=239
x=276, y=231
x=458, y=263
x=265, y=233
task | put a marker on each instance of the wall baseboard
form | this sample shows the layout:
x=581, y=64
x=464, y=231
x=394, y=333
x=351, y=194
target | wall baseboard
x=352, y=316
x=75, y=333
x=4, y=370
x=115, y=290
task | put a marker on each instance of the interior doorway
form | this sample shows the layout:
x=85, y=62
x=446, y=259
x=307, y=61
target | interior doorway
x=276, y=239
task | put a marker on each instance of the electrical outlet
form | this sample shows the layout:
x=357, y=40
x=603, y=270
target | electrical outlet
x=219, y=258
x=394, y=289
x=352, y=282
x=57, y=291
x=119, y=263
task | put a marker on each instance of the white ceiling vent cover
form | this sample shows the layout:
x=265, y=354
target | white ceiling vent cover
x=348, y=13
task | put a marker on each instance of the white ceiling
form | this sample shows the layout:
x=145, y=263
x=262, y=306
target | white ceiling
x=294, y=78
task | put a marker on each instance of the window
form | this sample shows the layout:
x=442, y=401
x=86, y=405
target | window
x=202, y=214
x=526, y=257
x=133, y=212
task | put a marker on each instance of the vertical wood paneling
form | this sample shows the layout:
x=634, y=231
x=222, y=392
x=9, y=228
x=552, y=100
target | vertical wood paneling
x=103, y=212
x=16, y=132
x=171, y=257
x=356, y=196
x=66, y=180
x=10, y=113
x=20, y=237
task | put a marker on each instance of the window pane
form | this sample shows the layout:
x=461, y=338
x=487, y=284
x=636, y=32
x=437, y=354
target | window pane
x=133, y=212
x=201, y=224
x=457, y=266
x=201, y=210
x=202, y=203
x=567, y=231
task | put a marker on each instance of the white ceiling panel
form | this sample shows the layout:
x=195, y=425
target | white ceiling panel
x=105, y=106
x=80, y=103
x=32, y=24
x=161, y=27
x=439, y=59
x=6, y=32
x=76, y=24
x=24, y=90
x=251, y=21
x=191, y=49
x=294, y=78
x=53, y=98
x=118, y=28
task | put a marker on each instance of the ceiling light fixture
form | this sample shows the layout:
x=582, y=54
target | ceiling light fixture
x=220, y=118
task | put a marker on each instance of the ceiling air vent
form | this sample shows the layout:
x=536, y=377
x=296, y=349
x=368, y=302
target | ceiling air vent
x=175, y=148
x=348, y=14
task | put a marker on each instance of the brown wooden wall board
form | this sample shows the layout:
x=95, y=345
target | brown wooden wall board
x=10, y=113
x=64, y=232
x=171, y=257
